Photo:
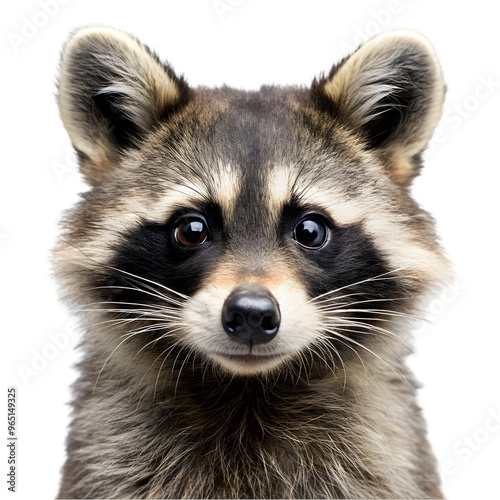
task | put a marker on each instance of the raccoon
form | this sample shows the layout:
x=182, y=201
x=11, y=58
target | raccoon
x=245, y=266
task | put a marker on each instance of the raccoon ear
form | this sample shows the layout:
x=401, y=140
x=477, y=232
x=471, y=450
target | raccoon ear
x=112, y=91
x=390, y=91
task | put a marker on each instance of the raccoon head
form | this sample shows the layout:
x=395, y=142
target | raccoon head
x=250, y=231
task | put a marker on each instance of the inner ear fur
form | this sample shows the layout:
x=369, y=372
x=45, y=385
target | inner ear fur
x=112, y=91
x=390, y=93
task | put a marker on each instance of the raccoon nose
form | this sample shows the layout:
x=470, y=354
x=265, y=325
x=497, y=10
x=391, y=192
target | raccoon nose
x=251, y=315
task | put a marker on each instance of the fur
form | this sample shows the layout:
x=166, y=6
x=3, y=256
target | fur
x=167, y=405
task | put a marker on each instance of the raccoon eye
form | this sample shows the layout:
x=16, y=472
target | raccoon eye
x=191, y=231
x=311, y=232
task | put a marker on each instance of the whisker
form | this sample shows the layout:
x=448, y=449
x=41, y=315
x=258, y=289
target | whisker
x=180, y=371
x=329, y=303
x=357, y=354
x=154, y=341
x=173, y=368
x=140, y=278
x=127, y=273
x=124, y=321
x=348, y=339
x=323, y=346
x=155, y=294
x=349, y=321
x=384, y=312
x=136, y=281
x=314, y=351
x=137, y=304
x=107, y=359
x=335, y=333
x=168, y=351
x=379, y=277
x=139, y=314
x=342, y=363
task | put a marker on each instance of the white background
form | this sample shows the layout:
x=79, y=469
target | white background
x=245, y=43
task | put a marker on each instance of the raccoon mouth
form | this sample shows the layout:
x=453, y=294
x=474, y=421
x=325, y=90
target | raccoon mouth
x=251, y=358
x=248, y=363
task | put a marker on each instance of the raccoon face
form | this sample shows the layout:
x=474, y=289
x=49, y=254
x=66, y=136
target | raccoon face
x=251, y=231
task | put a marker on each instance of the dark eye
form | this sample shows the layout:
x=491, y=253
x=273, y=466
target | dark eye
x=311, y=232
x=191, y=231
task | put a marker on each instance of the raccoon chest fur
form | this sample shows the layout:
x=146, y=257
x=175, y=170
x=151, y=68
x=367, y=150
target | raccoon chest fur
x=280, y=439
x=244, y=266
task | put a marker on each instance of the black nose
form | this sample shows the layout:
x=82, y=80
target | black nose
x=251, y=315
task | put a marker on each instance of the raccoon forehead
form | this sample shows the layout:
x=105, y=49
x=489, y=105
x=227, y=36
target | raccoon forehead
x=347, y=189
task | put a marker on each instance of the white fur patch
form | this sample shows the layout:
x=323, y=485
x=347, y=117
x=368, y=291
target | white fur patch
x=300, y=326
x=283, y=182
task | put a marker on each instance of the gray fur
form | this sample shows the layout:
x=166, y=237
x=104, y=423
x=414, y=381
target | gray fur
x=157, y=414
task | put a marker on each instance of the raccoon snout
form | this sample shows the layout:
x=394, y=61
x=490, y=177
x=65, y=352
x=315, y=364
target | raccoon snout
x=251, y=315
